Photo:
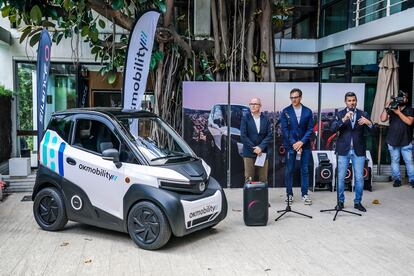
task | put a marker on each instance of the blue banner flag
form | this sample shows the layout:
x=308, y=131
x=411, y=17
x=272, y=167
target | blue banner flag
x=42, y=73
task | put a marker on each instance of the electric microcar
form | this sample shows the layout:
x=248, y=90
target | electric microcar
x=124, y=171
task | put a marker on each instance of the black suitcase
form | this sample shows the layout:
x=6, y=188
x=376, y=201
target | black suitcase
x=255, y=204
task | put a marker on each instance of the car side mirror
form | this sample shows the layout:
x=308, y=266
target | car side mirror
x=112, y=155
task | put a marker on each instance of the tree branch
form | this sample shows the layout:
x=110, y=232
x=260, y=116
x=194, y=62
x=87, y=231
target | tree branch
x=108, y=12
x=169, y=34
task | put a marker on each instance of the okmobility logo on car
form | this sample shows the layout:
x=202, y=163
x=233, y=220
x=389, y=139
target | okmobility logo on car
x=100, y=172
x=204, y=211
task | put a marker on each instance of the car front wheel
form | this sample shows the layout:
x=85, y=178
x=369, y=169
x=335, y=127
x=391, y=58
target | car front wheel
x=148, y=226
x=49, y=209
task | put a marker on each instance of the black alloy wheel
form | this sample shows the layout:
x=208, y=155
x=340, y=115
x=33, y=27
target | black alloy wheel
x=49, y=209
x=148, y=226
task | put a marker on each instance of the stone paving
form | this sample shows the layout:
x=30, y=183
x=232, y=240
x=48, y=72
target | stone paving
x=381, y=242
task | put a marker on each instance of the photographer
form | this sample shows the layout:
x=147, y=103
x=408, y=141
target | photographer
x=400, y=134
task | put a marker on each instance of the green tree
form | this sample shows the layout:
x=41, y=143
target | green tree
x=241, y=50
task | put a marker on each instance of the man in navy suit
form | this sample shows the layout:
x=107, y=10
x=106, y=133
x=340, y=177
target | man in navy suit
x=297, y=128
x=350, y=123
x=256, y=135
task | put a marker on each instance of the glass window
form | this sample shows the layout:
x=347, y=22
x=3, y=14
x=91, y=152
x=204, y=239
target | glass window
x=94, y=136
x=371, y=10
x=61, y=94
x=334, y=74
x=333, y=54
x=62, y=126
x=334, y=18
x=364, y=64
x=156, y=140
x=296, y=75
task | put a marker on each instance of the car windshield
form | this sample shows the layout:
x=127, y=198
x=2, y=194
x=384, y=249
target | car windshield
x=237, y=112
x=156, y=140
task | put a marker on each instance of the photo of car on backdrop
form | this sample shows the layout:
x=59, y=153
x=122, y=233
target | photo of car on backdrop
x=207, y=123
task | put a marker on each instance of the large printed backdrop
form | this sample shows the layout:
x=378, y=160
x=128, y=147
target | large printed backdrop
x=208, y=126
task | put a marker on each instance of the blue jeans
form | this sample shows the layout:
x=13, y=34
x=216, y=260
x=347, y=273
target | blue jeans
x=407, y=153
x=304, y=170
x=358, y=168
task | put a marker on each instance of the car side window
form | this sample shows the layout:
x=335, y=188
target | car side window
x=94, y=136
x=218, y=116
x=62, y=126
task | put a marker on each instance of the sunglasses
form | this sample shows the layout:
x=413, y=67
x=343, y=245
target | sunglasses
x=252, y=104
x=296, y=97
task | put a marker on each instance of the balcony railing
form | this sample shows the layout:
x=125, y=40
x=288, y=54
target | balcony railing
x=370, y=10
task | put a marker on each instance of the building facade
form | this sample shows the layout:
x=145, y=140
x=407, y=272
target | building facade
x=325, y=41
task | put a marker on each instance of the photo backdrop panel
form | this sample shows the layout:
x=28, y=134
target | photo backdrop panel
x=205, y=106
x=332, y=100
x=310, y=99
x=240, y=95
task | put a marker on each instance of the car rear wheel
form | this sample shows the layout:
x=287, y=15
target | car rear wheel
x=148, y=226
x=49, y=209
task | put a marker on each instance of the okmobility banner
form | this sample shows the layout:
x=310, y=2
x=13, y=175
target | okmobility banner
x=42, y=72
x=138, y=59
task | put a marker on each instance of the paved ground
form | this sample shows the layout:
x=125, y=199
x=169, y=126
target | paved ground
x=381, y=242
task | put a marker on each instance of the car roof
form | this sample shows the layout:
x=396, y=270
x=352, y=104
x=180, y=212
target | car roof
x=109, y=111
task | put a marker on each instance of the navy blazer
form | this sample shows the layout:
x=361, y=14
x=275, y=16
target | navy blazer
x=292, y=131
x=249, y=136
x=346, y=133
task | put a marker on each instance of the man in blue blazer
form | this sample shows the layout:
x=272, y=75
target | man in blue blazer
x=350, y=124
x=256, y=135
x=297, y=128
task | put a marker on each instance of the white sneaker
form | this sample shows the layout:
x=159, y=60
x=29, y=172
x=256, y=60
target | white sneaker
x=290, y=199
x=307, y=200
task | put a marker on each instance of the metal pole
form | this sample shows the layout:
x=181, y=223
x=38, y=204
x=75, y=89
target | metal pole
x=379, y=151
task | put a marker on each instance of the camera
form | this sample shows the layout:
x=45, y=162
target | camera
x=396, y=101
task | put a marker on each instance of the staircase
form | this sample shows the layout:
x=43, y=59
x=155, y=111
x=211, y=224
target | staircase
x=19, y=184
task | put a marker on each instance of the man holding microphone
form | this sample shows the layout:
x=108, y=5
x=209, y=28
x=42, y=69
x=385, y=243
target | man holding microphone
x=350, y=124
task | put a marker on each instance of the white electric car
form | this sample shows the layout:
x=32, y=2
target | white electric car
x=125, y=171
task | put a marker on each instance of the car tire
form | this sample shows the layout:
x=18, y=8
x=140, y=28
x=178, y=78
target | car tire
x=49, y=209
x=148, y=227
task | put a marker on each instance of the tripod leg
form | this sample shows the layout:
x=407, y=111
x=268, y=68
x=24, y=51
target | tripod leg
x=328, y=210
x=351, y=212
x=335, y=215
x=301, y=214
x=280, y=216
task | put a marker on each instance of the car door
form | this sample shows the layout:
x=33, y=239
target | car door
x=100, y=179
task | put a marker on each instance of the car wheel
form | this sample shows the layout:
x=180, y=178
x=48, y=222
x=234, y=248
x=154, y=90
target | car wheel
x=148, y=226
x=49, y=210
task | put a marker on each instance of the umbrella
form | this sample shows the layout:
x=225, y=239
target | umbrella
x=387, y=87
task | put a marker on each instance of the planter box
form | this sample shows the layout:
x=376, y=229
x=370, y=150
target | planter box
x=19, y=166
x=33, y=159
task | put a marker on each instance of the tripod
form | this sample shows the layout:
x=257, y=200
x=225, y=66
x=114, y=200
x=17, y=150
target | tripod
x=288, y=209
x=338, y=208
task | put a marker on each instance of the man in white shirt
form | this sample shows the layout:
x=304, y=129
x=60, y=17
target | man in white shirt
x=297, y=127
x=256, y=134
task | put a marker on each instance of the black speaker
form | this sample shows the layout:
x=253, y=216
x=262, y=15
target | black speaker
x=255, y=204
x=367, y=177
x=324, y=172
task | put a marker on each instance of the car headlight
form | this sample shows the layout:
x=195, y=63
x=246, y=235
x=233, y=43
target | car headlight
x=201, y=186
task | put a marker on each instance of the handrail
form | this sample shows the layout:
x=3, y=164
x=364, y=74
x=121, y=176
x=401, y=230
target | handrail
x=359, y=9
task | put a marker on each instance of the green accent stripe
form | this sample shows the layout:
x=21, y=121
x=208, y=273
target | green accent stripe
x=44, y=147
